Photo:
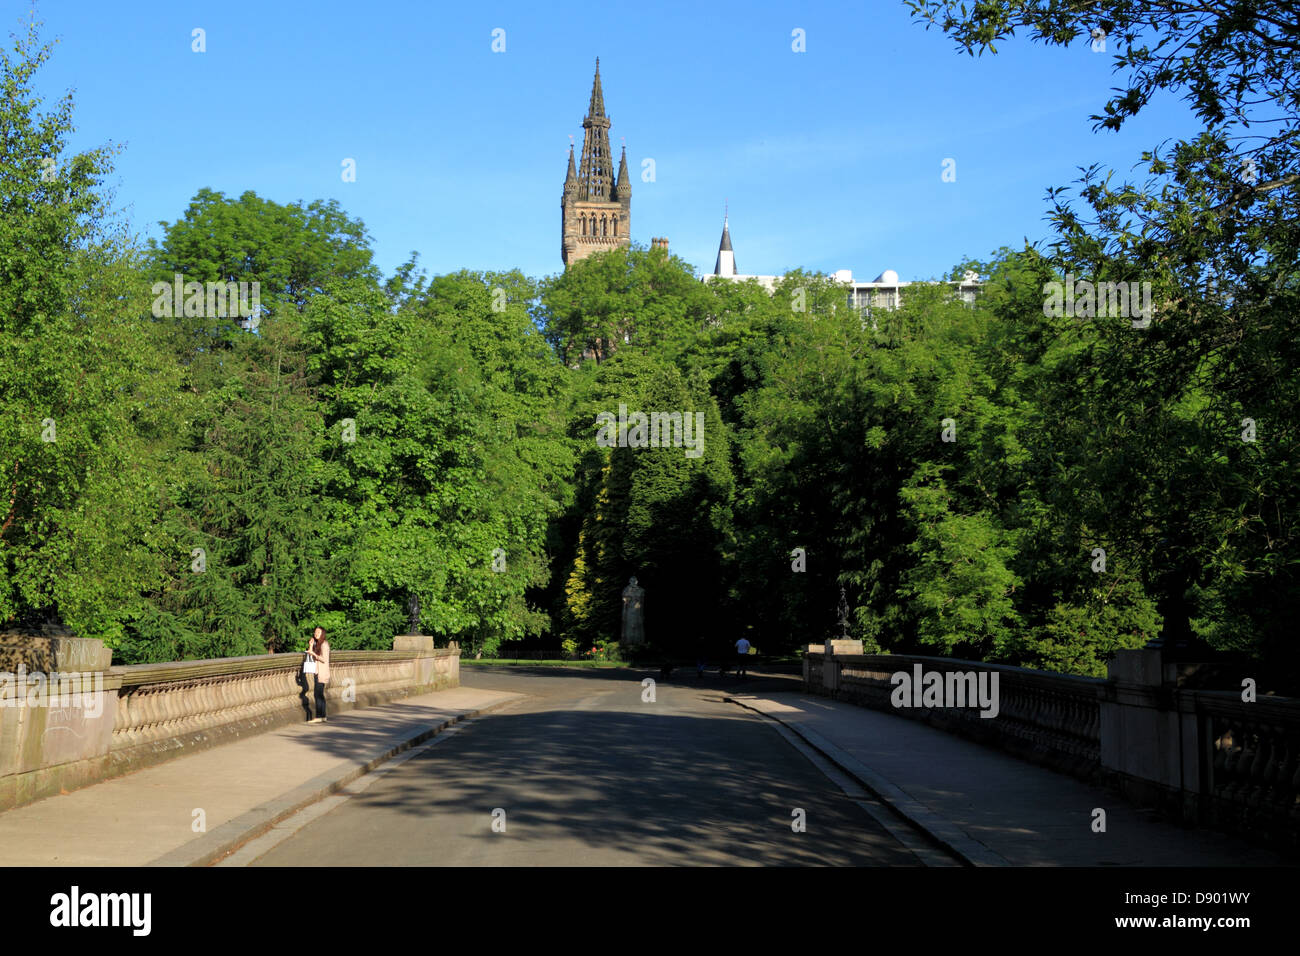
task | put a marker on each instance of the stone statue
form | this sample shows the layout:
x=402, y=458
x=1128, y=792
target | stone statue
x=633, y=613
x=413, y=609
x=844, y=615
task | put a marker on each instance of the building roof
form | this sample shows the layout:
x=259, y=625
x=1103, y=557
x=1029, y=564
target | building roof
x=724, y=250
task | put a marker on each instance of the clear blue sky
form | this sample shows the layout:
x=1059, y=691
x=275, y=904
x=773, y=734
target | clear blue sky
x=830, y=158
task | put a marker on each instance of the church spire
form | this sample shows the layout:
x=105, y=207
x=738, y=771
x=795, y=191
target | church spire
x=595, y=175
x=597, y=107
x=726, y=265
x=571, y=180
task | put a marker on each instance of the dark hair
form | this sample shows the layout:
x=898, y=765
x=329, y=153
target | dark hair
x=315, y=629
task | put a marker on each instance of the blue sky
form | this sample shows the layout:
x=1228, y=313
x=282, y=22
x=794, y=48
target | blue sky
x=829, y=159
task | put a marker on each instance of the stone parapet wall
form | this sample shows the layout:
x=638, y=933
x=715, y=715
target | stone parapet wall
x=98, y=721
x=1051, y=719
x=1147, y=730
x=1251, y=778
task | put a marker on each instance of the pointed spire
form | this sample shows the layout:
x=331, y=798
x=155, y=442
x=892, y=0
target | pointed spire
x=726, y=265
x=597, y=107
x=622, y=185
x=571, y=180
x=595, y=169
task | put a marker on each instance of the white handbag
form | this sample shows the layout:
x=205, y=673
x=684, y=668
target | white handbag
x=309, y=665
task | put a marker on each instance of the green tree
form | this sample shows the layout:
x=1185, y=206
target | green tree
x=660, y=513
x=627, y=297
x=291, y=251
x=85, y=390
x=250, y=500
x=1150, y=448
x=440, y=476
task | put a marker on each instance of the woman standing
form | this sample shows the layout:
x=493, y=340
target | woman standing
x=318, y=660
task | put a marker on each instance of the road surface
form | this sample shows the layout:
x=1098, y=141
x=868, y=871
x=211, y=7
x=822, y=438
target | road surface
x=584, y=772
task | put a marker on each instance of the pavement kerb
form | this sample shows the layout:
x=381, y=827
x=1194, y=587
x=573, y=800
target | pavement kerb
x=944, y=832
x=233, y=834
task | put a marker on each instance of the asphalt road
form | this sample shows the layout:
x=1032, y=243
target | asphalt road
x=587, y=773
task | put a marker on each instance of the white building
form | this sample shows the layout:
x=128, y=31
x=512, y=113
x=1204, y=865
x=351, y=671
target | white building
x=883, y=292
x=726, y=264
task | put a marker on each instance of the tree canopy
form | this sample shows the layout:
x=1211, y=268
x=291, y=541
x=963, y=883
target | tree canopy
x=999, y=480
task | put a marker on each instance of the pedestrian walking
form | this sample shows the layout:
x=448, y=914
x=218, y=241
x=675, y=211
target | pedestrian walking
x=316, y=673
x=742, y=650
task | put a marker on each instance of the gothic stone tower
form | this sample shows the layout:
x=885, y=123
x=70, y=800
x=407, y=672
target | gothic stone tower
x=596, y=209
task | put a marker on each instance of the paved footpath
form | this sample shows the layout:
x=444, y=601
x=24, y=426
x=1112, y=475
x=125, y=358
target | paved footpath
x=988, y=806
x=243, y=788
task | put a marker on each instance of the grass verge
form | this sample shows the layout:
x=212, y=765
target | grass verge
x=510, y=662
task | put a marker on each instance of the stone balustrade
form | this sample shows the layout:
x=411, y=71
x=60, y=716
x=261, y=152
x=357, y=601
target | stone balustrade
x=1203, y=756
x=96, y=721
x=1252, y=761
x=1053, y=719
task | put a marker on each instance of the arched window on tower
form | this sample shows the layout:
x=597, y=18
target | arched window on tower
x=615, y=222
x=604, y=226
x=584, y=224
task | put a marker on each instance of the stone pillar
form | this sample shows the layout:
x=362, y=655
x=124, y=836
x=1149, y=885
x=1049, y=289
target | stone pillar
x=809, y=662
x=434, y=669
x=452, y=663
x=421, y=645
x=1146, y=740
x=58, y=706
x=831, y=666
x=837, y=646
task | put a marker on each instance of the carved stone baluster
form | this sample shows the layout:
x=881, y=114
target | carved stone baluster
x=1294, y=798
x=170, y=711
x=182, y=700
x=1276, y=757
x=1258, y=760
x=1240, y=767
x=1034, y=713
x=126, y=721
x=219, y=703
x=1224, y=749
x=222, y=703
x=1279, y=785
x=149, y=705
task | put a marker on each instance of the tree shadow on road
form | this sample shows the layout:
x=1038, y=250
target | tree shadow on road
x=636, y=786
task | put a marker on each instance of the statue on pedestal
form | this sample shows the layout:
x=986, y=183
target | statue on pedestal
x=633, y=613
x=413, y=609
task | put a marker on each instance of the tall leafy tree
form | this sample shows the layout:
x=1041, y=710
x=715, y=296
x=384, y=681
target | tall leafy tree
x=658, y=513
x=627, y=297
x=1171, y=460
x=84, y=388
